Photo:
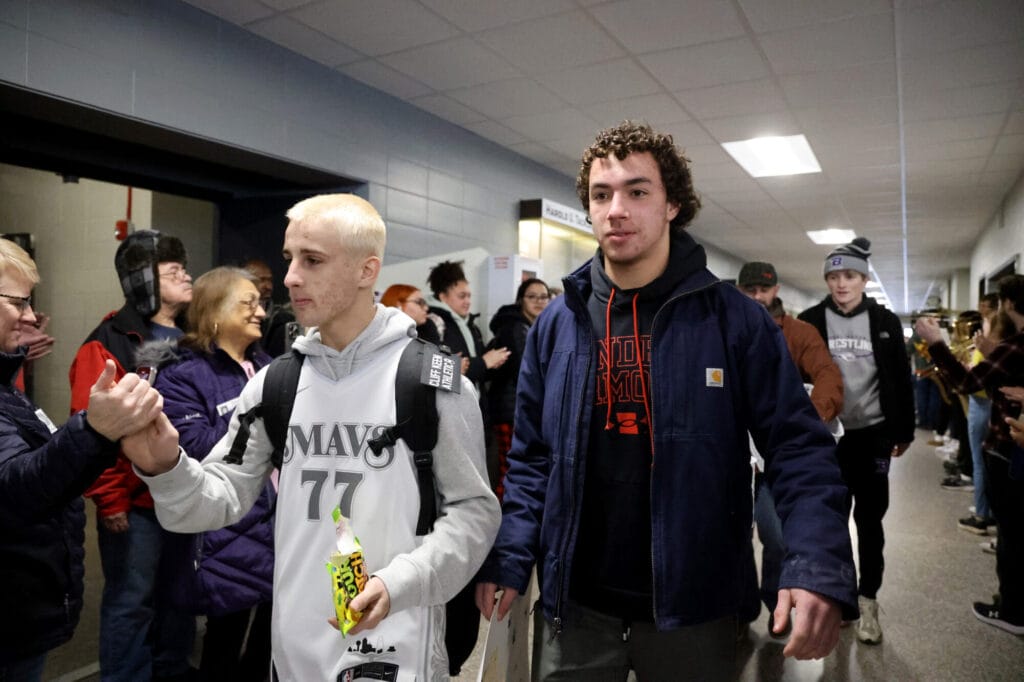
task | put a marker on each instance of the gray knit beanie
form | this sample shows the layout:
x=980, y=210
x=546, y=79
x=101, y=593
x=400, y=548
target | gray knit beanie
x=852, y=256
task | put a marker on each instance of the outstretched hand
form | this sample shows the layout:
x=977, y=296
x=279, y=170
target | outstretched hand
x=154, y=449
x=119, y=408
x=815, y=624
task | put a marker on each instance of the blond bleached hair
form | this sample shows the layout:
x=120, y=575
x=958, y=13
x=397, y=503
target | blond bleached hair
x=13, y=257
x=357, y=222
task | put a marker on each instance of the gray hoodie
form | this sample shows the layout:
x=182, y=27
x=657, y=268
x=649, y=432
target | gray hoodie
x=346, y=394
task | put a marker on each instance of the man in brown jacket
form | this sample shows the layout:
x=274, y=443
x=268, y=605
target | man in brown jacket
x=760, y=282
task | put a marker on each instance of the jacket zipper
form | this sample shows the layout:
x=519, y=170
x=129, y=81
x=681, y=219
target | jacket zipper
x=654, y=326
x=560, y=579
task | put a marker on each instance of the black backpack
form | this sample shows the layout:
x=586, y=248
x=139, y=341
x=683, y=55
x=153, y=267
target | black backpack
x=422, y=369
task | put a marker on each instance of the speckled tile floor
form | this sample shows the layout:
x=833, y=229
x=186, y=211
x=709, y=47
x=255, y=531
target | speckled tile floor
x=933, y=573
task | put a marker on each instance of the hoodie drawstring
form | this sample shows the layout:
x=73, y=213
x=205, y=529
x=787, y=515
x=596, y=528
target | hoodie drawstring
x=608, y=424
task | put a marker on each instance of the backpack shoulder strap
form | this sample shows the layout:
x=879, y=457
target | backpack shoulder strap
x=416, y=422
x=275, y=408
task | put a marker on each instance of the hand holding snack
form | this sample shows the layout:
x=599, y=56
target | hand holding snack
x=348, y=573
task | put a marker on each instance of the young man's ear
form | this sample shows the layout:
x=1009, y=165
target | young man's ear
x=369, y=271
x=671, y=212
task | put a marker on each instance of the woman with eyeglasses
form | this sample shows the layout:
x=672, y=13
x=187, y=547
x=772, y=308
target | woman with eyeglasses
x=510, y=325
x=410, y=301
x=224, y=574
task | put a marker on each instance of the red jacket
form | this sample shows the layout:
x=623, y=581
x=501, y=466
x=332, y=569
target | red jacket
x=117, y=489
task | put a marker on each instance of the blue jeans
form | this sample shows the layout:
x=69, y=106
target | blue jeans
x=769, y=531
x=25, y=670
x=139, y=636
x=978, y=411
x=928, y=402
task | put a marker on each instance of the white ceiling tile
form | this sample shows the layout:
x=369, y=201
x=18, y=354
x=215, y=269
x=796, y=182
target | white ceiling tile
x=656, y=110
x=952, y=25
x=603, y=82
x=964, y=128
x=300, y=38
x=953, y=102
x=235, y=11
x=964, y=68
x=864, y=81
x=728, y=61
x=384, y=78
x=451, y=64
x=553, y=125
x=773, y=15
x=378, y=27
x=652, y=25
x=476, y=15
x=286, y=4
x=495, y=132
x=733, y=128
x=1002, y=163
x=858, y=113
x=448, y=109
x=508, y=98
x=831, y=46
x=687, y=134
x=1015, y=123
x=1009, y=144
x=537, y=152
x=733, y=99
x=958, y=149
x=557, y=42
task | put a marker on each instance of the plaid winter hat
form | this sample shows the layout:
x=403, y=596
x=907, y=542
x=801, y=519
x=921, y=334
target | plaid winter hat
x=136, y=260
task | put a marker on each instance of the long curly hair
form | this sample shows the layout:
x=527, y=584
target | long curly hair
x=628, y=138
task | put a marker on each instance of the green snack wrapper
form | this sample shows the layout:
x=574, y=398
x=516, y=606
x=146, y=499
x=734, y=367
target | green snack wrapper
x=347, y=571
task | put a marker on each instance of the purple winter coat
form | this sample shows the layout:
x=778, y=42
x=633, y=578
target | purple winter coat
x=227, y=570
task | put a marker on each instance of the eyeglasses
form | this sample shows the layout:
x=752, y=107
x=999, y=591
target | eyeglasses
x=176, y=273
x=22, y=303
x=253, y=303
x=422, y=302
x=537, y=297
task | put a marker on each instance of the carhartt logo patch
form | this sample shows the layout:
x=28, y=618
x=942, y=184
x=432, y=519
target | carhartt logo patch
x=713, y=376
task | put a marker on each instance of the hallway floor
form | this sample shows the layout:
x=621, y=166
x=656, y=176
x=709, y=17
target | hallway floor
x=934, y=572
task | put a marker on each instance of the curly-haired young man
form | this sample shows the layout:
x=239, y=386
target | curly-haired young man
x=629, y=480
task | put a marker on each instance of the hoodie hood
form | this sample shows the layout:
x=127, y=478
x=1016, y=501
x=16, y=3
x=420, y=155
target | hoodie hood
x=686, y=257
x=388, y=326
x=865, y=303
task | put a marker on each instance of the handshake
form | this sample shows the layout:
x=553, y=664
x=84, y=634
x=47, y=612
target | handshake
x=131, y=411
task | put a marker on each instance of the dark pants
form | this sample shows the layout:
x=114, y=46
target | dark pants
x=225, y=639
x=461, y=628
x=927, y=399
x=593, y=647
x=26, y=670
x=864, y=456
x=1006, y=495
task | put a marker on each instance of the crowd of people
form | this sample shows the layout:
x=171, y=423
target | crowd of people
x=598, y=440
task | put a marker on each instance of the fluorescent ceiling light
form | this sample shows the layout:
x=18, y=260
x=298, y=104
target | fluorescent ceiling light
x=765, y=157
x=872, y=284
x=832, y=235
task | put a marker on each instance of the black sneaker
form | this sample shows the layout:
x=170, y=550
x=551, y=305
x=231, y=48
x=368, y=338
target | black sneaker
x=989, y=613
x=950, y=467
x=957, y=483
x=974, y=524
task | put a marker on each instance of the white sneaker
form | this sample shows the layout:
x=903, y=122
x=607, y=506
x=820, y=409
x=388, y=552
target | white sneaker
x=868, y=629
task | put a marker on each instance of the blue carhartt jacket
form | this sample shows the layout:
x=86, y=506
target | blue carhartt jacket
x=42, y=519
x=719, y=368
x=230, y=569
